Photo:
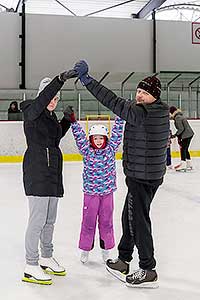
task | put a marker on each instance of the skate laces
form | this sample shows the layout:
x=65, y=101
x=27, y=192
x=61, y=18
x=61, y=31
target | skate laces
x=55, y=261
x=139, y=274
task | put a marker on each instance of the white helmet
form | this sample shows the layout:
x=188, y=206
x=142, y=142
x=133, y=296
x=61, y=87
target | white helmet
x=98, y=130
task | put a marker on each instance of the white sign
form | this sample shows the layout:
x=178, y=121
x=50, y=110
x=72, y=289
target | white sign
x=195, y=33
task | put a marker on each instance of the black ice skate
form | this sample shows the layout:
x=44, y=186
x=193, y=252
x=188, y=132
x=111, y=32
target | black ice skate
x=118, y=268
x=142, y=279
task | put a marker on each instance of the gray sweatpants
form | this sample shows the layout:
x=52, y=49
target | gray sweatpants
x=42, y=216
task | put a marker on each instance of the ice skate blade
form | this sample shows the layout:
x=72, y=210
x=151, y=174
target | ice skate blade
x=36, y=281
x=144, y=285
x=51, y=272
x=117, y=274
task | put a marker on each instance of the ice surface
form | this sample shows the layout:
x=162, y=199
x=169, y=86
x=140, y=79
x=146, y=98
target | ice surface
x=176, y=223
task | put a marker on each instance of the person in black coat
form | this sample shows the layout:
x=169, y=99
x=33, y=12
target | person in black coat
x=13, y=107
x=14, y=114
x=42, y=177
x=144, y=161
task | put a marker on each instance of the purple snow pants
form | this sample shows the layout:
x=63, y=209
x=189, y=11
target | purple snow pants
x=101, y=208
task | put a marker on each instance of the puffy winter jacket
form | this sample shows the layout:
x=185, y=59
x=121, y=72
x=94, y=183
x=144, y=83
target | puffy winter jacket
x=42, y=164
x=145, y=136
x=99, y=173
x=183, y=127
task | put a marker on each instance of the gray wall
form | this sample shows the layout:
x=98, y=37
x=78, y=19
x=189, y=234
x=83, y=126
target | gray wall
x=175, y=51
x=9, y=50
x=54, y=43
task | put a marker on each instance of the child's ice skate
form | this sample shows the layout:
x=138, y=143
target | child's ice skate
x=105, y=255
x=84, y=256
x=35, y=274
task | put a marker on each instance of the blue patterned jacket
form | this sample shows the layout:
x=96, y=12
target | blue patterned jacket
x=99, y=172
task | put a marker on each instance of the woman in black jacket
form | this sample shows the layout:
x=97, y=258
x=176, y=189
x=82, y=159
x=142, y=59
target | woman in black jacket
x=42, y=177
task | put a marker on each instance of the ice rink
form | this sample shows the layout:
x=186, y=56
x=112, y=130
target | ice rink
x=176, y=224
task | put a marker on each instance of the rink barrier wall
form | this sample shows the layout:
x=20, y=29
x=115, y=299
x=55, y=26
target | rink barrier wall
x=13, y=142
x=78, y=157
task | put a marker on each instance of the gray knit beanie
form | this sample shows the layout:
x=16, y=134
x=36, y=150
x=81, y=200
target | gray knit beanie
x=43, y=83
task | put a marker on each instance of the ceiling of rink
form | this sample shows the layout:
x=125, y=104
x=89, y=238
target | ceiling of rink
x=183, y=10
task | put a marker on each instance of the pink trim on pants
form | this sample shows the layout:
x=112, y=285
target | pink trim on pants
x=101, y=208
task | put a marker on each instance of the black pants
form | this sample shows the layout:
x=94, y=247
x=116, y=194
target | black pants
x=136, y=223
x=184, y=145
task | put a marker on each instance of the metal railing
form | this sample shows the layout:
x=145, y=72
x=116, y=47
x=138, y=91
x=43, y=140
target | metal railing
x=177, y=90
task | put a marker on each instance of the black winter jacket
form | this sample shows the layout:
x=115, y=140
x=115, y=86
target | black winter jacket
x=145, y=136
x=42, y=164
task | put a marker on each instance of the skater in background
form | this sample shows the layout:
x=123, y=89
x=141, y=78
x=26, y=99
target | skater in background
x=99, y=183
x=42, y=177
x=144, y=160
x=184, y=135
x=169, y=158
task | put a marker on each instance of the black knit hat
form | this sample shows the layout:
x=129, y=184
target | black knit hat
x=151, y=85
x=172, y=109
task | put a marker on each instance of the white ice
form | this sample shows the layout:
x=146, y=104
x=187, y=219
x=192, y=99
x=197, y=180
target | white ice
x=176, y=224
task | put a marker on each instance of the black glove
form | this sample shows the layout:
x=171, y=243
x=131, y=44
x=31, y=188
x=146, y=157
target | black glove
x=67, y=75
x=69, y=114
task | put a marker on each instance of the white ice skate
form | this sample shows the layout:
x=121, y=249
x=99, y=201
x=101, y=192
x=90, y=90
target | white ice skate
x=51, y=266
x=182, y=167
x=177, y=166
x=35, y=274
x=84, y=256
x=189, y=165
x=105, y=255
x=170, y=168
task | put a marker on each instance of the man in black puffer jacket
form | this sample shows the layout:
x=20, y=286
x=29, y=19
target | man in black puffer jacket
x=42, y=176
x=144, y=161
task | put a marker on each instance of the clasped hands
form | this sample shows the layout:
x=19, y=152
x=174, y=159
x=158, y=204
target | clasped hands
x=80, y=70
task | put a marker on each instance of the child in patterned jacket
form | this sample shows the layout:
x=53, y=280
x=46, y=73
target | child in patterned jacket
x=99, y=182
